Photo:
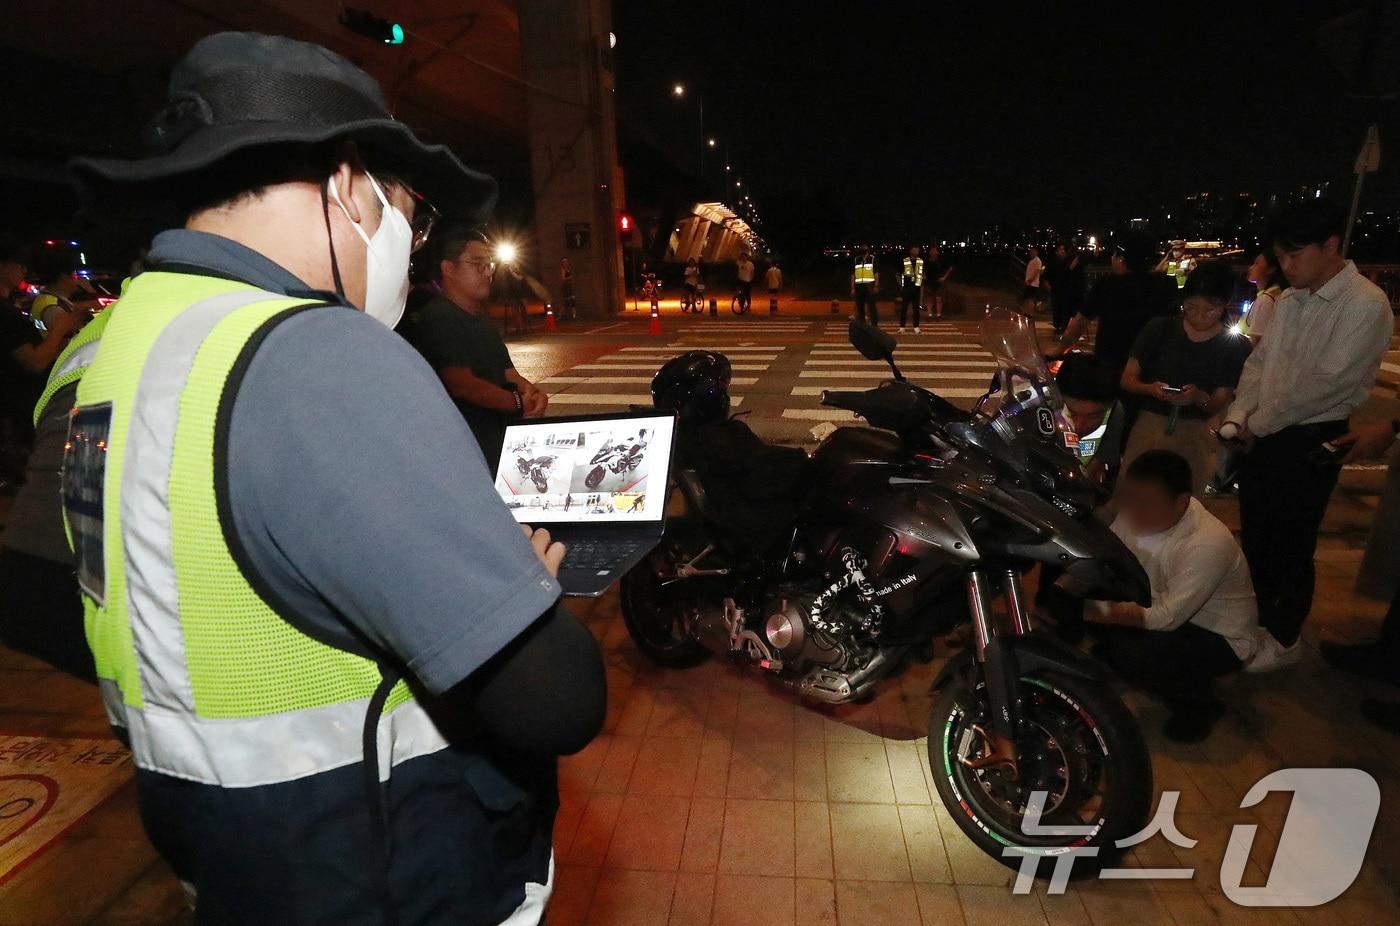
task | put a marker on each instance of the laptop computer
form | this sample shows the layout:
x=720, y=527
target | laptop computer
x=598, y=483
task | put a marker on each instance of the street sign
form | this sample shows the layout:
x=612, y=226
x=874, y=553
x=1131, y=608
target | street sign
x=577, y=235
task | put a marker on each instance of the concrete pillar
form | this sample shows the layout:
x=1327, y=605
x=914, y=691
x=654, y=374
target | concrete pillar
x=573, y=147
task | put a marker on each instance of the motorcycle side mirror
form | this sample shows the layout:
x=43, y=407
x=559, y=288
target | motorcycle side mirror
x=871, y=342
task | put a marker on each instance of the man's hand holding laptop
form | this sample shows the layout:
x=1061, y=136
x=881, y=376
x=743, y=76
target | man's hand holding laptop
x=550, y=552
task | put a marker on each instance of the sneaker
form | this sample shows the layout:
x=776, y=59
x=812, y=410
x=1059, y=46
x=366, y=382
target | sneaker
x=1273, y=655
x=901, y=330
x=1193, y=724
x=1367, y=659
x=918, y=330
x=1384, y=714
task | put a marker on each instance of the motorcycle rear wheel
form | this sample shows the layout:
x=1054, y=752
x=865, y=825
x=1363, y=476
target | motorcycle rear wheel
x=656, y=619
x=1082, y=746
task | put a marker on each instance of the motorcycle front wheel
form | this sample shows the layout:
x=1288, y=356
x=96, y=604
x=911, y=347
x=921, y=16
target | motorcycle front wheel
x=657, y=612
x=1079, y=744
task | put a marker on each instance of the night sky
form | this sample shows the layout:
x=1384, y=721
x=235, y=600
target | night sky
x=940, y=118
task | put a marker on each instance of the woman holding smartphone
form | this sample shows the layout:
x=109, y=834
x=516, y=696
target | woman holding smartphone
x=1185, y=369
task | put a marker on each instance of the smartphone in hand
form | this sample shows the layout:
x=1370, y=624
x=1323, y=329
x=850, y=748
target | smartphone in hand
x=1329, y=453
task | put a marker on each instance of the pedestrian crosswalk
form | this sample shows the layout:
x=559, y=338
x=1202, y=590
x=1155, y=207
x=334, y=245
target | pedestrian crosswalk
x=781, y=368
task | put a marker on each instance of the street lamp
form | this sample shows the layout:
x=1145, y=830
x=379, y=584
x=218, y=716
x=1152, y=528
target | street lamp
x=711, y=143
x=678, y=90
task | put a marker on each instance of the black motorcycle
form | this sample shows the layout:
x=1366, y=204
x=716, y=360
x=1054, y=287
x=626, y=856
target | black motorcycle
x=537, y=469
x=903, y=531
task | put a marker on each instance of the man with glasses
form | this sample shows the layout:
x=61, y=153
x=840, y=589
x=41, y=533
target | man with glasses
x=1328, y=335
x=456, y=336
x=341, y=665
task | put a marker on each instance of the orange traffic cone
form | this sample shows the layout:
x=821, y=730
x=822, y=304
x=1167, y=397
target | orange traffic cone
x=655, y=329
x=549, y=318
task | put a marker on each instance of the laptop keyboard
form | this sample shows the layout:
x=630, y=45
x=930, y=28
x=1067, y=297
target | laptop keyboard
x=596, y=554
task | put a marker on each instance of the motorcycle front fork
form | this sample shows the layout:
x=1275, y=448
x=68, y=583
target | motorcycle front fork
x=997, y=661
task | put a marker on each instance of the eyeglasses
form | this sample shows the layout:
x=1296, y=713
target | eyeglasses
x=425, y=216
x=482, y=264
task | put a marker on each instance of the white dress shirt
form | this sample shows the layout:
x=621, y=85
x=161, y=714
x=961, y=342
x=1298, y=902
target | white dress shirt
x=1320, y=359
x=1198, y=574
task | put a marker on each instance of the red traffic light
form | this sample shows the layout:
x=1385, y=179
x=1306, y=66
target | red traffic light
x=624, y=226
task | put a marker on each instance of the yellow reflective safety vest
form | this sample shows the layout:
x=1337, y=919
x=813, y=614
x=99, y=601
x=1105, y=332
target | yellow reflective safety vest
x=73, y=361
x=1179, y=269
x=213, y=684
x=914, y=270
x=865, y=270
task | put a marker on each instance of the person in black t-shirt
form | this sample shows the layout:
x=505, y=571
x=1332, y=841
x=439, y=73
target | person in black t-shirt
x=1123, y=304
x=464, y=347
x=1066, y=277
x=937, y=270
x=1185, y=371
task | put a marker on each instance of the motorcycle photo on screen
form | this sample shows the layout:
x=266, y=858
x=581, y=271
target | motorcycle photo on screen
x=617, y=458
x=827, y=571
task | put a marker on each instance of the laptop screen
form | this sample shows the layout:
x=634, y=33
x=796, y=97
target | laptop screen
x=596, y=470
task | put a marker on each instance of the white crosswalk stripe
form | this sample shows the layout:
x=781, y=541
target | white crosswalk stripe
x=608, y=401
x=624, y=380
x=955, y=392
x=819, y=360
x=885, y=374
x=746, y=367
x=739, y=348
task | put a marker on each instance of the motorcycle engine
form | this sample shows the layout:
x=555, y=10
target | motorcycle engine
x=790, y=633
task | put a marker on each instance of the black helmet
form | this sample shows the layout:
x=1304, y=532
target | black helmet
x=694, y=385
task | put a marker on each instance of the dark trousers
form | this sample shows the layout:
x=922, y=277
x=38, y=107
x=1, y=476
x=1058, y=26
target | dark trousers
x=745, y=293
x=41, y=613
x=1179, y=666
x=909, y=296
x=865, y=301
x=1062, y=309
x=1283, y=496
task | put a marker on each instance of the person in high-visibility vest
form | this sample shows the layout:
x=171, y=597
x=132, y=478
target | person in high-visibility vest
x=341, y=665
x=911, y=287
x=41, y=612
x=865, y=283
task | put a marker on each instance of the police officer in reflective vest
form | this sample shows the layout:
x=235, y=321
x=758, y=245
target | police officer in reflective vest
x=911, y=287
x=341, y=665
x=865, y=282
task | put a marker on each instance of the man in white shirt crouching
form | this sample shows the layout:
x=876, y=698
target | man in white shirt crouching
x=1202, y=622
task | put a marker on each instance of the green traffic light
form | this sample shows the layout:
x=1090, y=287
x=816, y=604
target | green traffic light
x=395, y=35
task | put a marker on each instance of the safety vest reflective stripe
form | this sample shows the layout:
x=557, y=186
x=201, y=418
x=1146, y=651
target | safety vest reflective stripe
x=914, y=270
x=1089, y=443
x=73, y=361
x=213, y=684
x=865, y=271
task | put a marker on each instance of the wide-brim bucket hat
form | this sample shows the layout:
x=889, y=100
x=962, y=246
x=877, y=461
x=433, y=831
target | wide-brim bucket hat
x=238, y=90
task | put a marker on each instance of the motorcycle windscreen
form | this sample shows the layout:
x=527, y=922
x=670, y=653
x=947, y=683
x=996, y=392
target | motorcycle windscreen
x=1023, y=380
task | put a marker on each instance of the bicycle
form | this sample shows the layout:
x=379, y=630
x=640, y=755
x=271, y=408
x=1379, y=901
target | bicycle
x=692, y=300
x=737, y=305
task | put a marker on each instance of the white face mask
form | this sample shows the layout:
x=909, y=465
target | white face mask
x=386, y=258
